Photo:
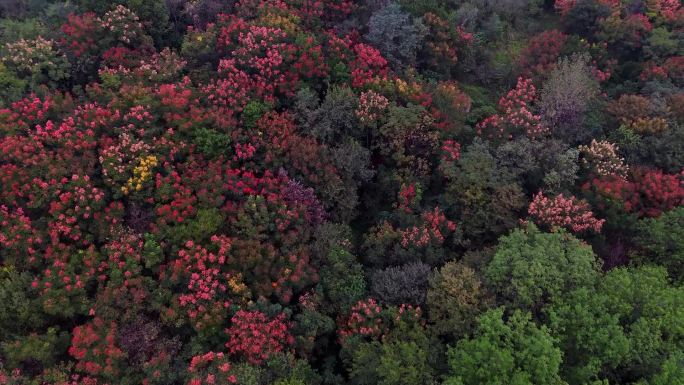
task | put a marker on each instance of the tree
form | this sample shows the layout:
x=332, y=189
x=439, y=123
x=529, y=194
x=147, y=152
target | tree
x=531, y=268
x=623, y=329
x=401, y=284
x=479, y=189
x=584, y=17
x=19, y=308
x=455, y=298
x=342, y=281
x=402, y=357
x=513, y=351
x=566, y=96
x=560, y=212
x=396, y=35
x=671, y=372
x=547, y=164
x=661, y=240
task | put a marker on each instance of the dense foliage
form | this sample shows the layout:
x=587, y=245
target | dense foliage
x=329, y=192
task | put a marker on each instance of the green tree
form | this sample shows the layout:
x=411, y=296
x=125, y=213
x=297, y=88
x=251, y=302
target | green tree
x=663, y=44
x=661, y=240
x=511, y=352
x=19, y=307
x=531, y=268
x=623, y=330
x=342, y=281
x=483, y=192
x=403, y=356
x=671, y=373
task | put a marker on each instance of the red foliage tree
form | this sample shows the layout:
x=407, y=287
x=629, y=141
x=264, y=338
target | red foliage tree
x=256, y=337
x=94, y=348
x=540, y=55
x=645, y=192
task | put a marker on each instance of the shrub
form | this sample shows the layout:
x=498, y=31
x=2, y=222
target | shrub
x=37, y=61
x=516, y=116
x=645, y=192
x=541, y=54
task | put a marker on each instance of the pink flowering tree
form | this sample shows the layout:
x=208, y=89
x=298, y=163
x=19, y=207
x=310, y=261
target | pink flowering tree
x=561, y=212
x=211, y=287
x=435, y=227
x=210, y=368
x=371, y=105
x=364, y=319
x=516, y=116
x=19, y=240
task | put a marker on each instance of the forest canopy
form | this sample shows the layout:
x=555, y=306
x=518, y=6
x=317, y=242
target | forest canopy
x=333, y=192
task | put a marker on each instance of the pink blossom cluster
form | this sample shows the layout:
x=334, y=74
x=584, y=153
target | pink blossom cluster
x=311, y=10
x=244, y=151
x=94, y=348
x=176, y=201
x=34, y=56
x=602, y=75
x=19, y=241
x=77, y=204
x=541, y=54
x=409, y=195
x=653, y=71
x=80, y=33
x=408, y=312
x=61, y=284
x=646, y=192
x=264, y=52
x=123, y=23
x=123, y=257
x=119, y=156
x=228, y=94
x=25, y=113
x=668, y=9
